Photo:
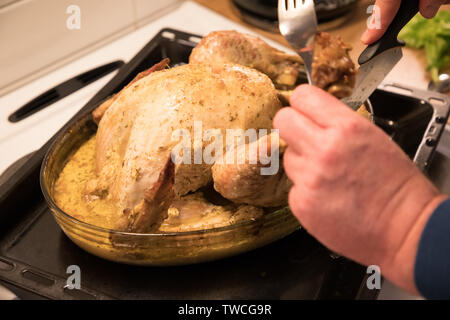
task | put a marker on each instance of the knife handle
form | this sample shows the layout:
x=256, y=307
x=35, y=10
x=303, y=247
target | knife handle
x=408, y=9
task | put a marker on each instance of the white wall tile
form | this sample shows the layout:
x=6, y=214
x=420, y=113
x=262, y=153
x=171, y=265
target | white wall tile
x=146, y=8
x=33, y=33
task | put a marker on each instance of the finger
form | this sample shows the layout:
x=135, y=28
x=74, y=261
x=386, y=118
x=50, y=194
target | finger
x=429, y=8
x=298, y=196
x=383, y=13
x=296, y=130
x=294, y=165
x=320, y=106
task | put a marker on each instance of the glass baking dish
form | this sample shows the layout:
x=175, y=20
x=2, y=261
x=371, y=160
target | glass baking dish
x=153, y=248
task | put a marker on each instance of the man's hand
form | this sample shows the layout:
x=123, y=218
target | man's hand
x=354, y=189
x=388, y=10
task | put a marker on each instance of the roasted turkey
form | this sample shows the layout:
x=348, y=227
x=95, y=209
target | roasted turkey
x=234, y=47
x=134, y=140
x=230, y=83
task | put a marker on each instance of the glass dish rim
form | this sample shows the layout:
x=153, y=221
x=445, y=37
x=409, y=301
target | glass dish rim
x=55, y=208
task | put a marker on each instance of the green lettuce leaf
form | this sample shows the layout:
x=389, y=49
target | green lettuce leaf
x=432, y=35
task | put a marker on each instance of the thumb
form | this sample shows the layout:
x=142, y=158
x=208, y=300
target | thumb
x=429, y=8
x=383, y=13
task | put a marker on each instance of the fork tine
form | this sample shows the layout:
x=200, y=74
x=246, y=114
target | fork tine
x=281, y=6
x=291, y=5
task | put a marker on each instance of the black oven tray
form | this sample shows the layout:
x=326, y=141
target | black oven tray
x=35, y=254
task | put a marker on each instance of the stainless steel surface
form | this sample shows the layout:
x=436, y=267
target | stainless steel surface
x=442, y=85
x=444, y=144
x=370, y=75
x=298, y=25
x=439, y=171
x=437, y=126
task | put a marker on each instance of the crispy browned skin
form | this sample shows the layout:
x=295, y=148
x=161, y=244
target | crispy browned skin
x=98, y=113
x=332, y=68
x=233, y=47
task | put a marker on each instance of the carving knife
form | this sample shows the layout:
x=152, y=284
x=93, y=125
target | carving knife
x=378, y=59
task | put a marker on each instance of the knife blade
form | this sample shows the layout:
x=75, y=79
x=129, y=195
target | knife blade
x=371, y=74
x=379, y=58
x=63, y=90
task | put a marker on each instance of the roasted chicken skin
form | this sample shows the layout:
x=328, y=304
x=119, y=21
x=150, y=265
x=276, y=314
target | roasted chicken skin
x=332, y=69
x=230, y=83
x=245, y=183
x=98, y=113
x=135, y=135
x=233, y=47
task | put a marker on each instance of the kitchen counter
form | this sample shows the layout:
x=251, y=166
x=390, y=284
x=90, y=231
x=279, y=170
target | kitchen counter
x=409, y=71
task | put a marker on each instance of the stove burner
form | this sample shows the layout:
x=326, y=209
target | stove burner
x=263, y=13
